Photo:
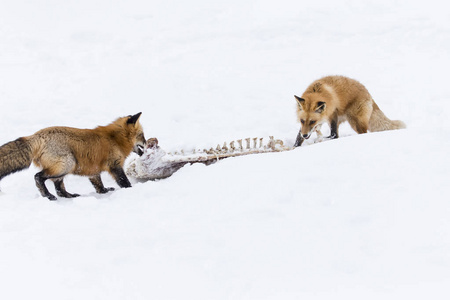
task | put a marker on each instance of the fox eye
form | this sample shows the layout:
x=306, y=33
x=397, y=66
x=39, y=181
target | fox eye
x=312, y=122
x=303, y=121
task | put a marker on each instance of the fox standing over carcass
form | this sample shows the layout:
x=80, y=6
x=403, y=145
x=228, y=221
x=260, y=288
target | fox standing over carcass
x=335, y=99
x=88, y=152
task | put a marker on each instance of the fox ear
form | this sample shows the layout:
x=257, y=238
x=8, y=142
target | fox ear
x=133, y=119
x=300, y=101
x=320, y=106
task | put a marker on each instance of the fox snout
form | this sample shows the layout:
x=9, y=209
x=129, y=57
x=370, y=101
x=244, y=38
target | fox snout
x=306, y=131
x=139, y=147
x=139, y=150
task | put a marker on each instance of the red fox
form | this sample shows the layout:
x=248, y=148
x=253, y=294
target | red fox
x=335, y=99
x=88, y=152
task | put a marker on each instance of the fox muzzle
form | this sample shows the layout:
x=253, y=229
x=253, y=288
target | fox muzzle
x=138, y=149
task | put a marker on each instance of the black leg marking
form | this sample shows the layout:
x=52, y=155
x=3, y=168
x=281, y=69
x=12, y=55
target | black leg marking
x=334, y=127
x=120, y=177
x=61, y=189
x=299, y=140
x=334, y=132
x=40, y=179
x=98, y=185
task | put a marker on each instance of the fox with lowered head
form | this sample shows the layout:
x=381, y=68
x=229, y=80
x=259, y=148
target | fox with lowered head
x=59, y=151
x=335, y=99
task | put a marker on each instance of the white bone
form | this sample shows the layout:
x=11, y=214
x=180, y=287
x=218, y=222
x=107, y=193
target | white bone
x=240, y=144
x=225, y=148
x=170, y=162
x=232, y=148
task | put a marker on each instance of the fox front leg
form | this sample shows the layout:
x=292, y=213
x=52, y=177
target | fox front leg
x=119, y=175
x=98, y=185
x=300, y=139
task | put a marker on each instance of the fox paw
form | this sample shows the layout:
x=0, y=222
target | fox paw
x=106, y=190
x=51, y=197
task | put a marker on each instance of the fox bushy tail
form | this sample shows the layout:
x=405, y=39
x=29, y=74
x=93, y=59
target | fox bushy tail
x=15, y=156
x=379, y=122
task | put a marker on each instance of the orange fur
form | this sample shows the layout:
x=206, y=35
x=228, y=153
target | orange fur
x=88, y=152
x=335, y=99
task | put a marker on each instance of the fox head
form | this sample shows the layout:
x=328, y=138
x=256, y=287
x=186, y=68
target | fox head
x=137, y=134
x=311, y=113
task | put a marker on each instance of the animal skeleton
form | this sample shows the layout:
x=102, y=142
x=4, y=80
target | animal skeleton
x=155, y=163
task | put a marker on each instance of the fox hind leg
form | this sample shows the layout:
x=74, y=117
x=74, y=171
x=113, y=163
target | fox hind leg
x=61, y=189
x=358, y=125
x=359, y=115
x=59, y=168
x=40, y=179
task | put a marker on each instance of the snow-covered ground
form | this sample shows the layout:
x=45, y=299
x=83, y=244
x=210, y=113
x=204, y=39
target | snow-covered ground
x=361, y=217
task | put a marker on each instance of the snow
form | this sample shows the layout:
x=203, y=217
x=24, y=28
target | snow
x=360, y=217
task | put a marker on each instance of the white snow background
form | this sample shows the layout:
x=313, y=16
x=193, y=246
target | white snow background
x=360, y=217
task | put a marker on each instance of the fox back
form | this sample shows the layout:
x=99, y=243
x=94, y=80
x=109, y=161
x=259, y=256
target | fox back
x=91, y=150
